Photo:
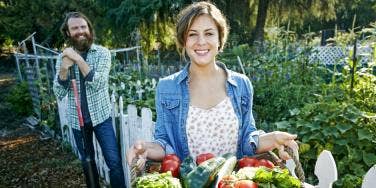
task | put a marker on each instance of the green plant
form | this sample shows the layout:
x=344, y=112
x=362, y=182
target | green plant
x=48, y=104
x=339, y=127
x=20, y=99
x=329, y=107
x=128, y=85
x=342, y=119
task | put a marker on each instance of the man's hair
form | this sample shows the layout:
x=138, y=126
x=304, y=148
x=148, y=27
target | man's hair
x=190, y=13
x=64, y=27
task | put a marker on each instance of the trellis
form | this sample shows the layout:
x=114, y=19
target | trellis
x=39, y=75
x=336, y=55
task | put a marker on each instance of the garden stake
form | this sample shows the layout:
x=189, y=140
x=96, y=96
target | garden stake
x=353, y=69
x=88, y=161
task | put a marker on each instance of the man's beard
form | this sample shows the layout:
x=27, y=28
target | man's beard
x=81, y=44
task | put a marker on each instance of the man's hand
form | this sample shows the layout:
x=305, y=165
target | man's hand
x=76, y=58
x=73, y=55
x=65, y=65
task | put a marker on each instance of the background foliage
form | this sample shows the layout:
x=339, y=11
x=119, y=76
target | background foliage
x=313, y=100
x=121, y=23
x=18, y=98
x=329, y=107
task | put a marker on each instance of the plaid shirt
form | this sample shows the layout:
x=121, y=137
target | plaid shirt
x=98, y=98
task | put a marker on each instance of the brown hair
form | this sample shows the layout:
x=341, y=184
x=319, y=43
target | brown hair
x=64, y=27
x=190, y=13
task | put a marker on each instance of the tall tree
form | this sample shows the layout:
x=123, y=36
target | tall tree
x=293, y=10
x=146, y=21
x=22, y=17
x=240, y=15
x=261, y=20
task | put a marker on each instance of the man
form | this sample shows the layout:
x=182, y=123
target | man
x=91, y=65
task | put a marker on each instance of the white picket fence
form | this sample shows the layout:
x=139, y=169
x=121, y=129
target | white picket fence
x=131, y=127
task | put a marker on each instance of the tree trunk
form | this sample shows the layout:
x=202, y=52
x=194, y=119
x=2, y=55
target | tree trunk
x=261, y=19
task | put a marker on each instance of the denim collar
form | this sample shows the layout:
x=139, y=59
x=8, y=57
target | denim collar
x=185, y=72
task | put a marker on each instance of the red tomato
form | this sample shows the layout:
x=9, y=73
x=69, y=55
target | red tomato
x=171, y=165
x=220, y=184
x=227, y=181
x=245, y=184
x=171, y=157
x=203, y=157
x=266, y=163
x=248, y=162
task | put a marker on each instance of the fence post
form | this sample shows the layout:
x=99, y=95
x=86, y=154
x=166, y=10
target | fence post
x=326, y=169
x=124, y=139
x=139, y=89
x=18, y=68
x=113, y=113
x=36, y=54
x=147, y=129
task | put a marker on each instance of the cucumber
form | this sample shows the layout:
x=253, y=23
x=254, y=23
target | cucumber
x=204, y=174
x=186, y=167
x=228, y=155
x=226, y=169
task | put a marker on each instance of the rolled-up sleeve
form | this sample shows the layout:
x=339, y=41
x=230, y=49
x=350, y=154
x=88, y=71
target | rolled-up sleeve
x=60, y=87
x=98, y=75
x=90, y=76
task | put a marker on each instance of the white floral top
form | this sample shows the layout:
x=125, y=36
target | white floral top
x=213, y=130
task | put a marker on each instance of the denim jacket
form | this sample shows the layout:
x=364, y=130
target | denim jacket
x=172, y=104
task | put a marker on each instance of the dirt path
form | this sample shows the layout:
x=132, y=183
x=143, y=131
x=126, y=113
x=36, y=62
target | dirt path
x=27, y=160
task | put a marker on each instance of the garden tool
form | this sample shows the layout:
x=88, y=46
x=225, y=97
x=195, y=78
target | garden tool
x=88, y=161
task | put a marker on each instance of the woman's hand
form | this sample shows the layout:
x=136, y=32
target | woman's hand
x=137, y=152
x=277, y=140
x=282, y=140
x=141, y=151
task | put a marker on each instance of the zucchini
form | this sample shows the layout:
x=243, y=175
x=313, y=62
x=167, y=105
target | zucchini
x=204, y=174
x=186, y=167
x=228, y=155
x=226, y=169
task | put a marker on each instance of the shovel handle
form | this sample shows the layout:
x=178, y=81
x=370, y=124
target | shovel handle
x=76, y=97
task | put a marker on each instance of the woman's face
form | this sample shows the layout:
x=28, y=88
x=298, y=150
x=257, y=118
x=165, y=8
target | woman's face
x=202, y=41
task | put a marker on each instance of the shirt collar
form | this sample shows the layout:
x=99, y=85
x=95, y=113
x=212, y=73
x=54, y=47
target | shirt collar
x=185, y=73
x=93, y=48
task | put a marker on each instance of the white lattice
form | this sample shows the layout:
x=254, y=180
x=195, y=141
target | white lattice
x=330, y=55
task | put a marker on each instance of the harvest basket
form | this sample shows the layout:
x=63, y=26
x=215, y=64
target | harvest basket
x=153, y=166
x=271, y=156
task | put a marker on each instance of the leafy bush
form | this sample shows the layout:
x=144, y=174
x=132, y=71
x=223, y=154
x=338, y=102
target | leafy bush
x=339, y=127
x=20, y=99
x=127, y=85
x=329, y=107
x=341, y=118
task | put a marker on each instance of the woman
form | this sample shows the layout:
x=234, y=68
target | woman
x=205, y=108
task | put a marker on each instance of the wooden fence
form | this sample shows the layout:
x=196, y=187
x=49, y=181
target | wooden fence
x=128, y=127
